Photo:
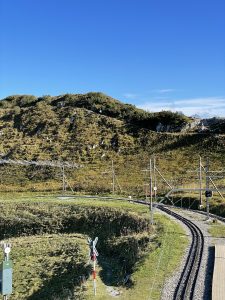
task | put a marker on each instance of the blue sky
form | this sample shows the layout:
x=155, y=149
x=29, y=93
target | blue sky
x=156, y=54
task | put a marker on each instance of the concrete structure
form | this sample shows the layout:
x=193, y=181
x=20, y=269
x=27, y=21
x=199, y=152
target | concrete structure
x=218, y=286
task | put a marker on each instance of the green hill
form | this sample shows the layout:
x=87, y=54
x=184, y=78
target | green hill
x=99, y=104
x=93, y=129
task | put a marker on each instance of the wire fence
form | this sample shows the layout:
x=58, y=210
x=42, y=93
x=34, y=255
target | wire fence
x=123, y=176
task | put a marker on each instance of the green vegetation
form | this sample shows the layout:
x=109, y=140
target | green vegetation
x=93, y=129
x=217, y=230
x=162, y=261
x=64, y=255
x=50, y=257
x=218, y=207
x=98, y=103
x=152, y=271
x=49, y=266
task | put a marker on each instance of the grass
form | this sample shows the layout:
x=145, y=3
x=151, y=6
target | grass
x=57, y=199
x=151, y=272
x=160, y=263
x=126, y=246
x=217, y=230
x=47, y=266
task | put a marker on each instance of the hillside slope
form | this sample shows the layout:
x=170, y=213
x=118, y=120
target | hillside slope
x=95, y=128
x=104, y=105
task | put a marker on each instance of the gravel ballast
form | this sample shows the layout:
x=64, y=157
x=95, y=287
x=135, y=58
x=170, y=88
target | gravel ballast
x=203, y=288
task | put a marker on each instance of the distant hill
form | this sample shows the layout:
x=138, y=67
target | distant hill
x=95, y=128
x=92, y=124
x=101, y=104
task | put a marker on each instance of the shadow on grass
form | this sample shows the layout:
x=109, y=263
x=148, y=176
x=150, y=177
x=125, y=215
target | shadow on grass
x=187, y=140
x=115, y=273
x=62, y=286
x=112, y=272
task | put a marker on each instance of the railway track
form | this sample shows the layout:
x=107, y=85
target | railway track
x=187, y=282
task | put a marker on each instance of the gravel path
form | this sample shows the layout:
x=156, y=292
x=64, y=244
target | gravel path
x=204, y=282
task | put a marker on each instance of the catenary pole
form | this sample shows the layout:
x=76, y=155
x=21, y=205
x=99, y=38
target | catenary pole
x=207, y=186
x=150, y=186
x=113, y=178
x=154, y=175
x=63, y=179
x=200, y=181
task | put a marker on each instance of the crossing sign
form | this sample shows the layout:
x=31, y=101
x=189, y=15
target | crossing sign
x=92, y=245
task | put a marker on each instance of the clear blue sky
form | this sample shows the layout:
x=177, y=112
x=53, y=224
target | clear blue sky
x=153, y=53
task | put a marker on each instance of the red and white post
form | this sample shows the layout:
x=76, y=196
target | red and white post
x=94, y=274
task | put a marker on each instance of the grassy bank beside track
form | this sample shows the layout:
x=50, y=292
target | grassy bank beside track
x=127, y=244
x=191, y=201
x=48, y=266
x=217, y=230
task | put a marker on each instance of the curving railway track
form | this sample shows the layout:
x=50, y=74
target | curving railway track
x=187, y=282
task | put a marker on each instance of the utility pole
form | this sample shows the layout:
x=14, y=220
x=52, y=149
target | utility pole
x=113, y=178
x=154, y=175
x=207, y=186
x=200, y=181
x=146, y=192
x=150, y=186
x=146, y=184
x=63, y=179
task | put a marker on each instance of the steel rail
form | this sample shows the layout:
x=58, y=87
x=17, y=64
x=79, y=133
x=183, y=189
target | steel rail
x=187, y=282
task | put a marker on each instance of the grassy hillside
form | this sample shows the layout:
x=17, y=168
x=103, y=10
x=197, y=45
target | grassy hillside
x=76, y=126
x=56, y=260
x=49, y=266
x=101, y=104
x=93, y=129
